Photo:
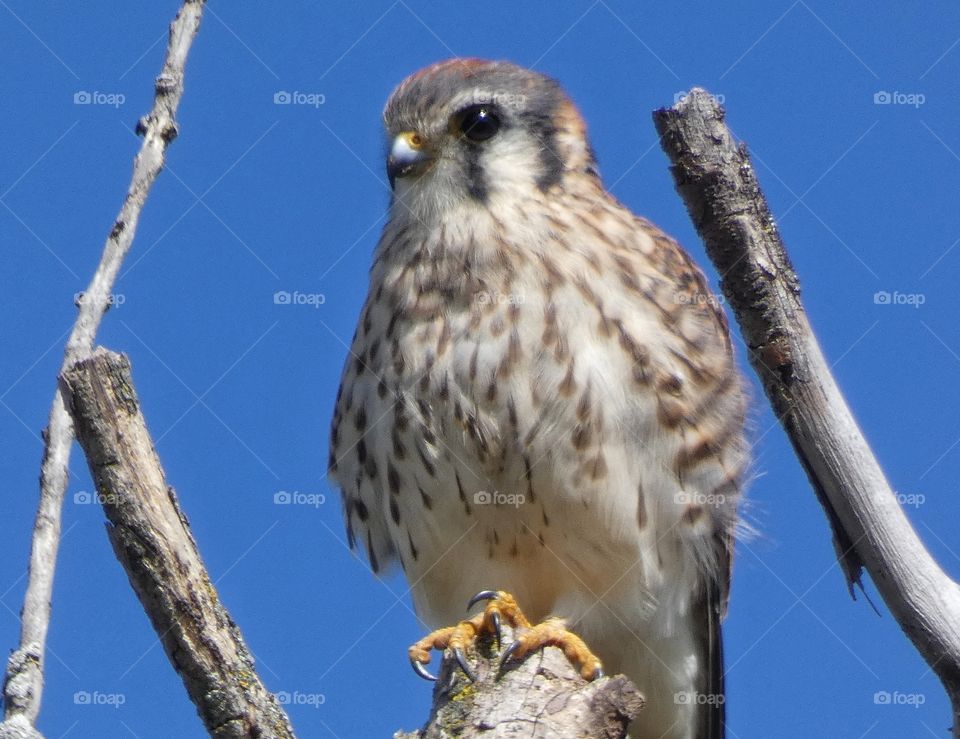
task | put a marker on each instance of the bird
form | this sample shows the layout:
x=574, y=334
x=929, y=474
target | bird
x=540, y=406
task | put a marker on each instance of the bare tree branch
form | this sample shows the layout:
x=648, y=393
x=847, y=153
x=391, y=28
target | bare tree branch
x=23, y=681
x=542, y=697
x=151, y=538
x=717, y=182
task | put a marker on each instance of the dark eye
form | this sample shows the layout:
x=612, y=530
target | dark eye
x=479, y=123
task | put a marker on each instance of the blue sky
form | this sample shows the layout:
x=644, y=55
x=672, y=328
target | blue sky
x=850, y=113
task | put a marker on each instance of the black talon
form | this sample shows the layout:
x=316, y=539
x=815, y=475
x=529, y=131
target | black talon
x=464, y=665
x=508, y=653
x=598, y=673
x=482, y=595
x=421, y=670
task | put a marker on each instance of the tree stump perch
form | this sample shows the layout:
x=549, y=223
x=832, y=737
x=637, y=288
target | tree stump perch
x=541, y=697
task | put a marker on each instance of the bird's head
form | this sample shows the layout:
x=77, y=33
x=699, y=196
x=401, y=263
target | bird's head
x=469, y=132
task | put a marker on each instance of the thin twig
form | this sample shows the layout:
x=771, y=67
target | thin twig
x=717, y=182
x=23, y=681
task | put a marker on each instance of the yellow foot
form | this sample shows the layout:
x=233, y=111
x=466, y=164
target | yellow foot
x=502, y=607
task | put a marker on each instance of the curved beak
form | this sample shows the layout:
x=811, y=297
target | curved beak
x=408, y=155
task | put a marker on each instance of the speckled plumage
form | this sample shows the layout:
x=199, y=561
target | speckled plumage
x=541, y=396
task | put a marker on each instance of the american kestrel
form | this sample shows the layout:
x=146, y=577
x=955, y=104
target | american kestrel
x=541, y=398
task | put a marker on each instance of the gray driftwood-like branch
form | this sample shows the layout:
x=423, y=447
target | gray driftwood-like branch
x=542, y=697
x=717, y=182
x=151, y=538
x=23, y=680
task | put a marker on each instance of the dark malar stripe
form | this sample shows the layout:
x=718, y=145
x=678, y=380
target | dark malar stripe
x=477, y=184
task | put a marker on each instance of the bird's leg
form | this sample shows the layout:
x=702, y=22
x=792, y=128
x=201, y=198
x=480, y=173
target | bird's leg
x=502, y=607
x=454, y=638
x=554, y=632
